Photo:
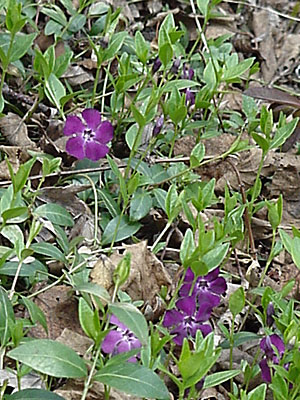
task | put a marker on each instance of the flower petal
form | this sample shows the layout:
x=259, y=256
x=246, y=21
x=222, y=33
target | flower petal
x=73, y=125
x=114, y=320
x=110, y=341
x=212, y=275
x=94, y=150
x=205, y=329
x=204, y=312
x=265, y=370
x=189, y=275
x=92, y=118
x=75, y=147
x=123, y=346
x=105, y=132
x=187, y=305
x=172, y=317
x=185, y=289
x=218, y=286
x=205, y=296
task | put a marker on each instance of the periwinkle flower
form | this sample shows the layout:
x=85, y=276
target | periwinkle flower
x=120, y=340
x=158, y=125
x=267, y=345
x=206, y=288
x=175, y=66
x=88, y=135
x=270, y=312
x=189, y=97
x=187, y=73
x=156, y=65
x=187, y=318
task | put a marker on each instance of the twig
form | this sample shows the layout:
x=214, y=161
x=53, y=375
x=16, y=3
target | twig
x=100, y=169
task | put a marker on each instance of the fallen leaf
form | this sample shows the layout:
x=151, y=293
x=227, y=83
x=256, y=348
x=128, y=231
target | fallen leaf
x=15, y=131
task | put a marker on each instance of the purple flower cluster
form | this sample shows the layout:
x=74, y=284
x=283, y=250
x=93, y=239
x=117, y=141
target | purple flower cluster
x=89, y=135
x=273, y=347
x=198, y=297
x=120, y=340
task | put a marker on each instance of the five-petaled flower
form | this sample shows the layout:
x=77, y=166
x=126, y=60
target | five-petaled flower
x=187, y=318
x=206, y=288
x=273, y=348
x=88, y=135
x=120, y=340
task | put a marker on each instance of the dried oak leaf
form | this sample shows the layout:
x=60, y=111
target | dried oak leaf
x=61, y=310
x=147, y=274
x=15, y=131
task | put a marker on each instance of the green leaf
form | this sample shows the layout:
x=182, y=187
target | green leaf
x=134, y=379
x=12, y=213
x=214, y=257
x=197, y=155
x=36, y=314
x=76, y=23
x=141, y=47
x=237, y=301
x=187, y=247
x=296, y=251
x=88, y=322
x=6, y=316
x=56, y=14
x=238, y=70
x=165, y=54
x=21, y=44
x=131, y=316
x=178, y=114
x=123, y=228
x=261, y=141
x=22, y=175
x=122, y=183
x=94, y=290
x=49, y=250
x=160, y=196
x=209, y=75
x=54, y=90
x=34, y=394
x=13, y=233
x=55, y=214
x=259, y=393
x=179, y=84
x=283, y=133
x=138, y=116
x=140, y=205
x=240, y=338
x=219, y=377
x=30, y=269
x=203, y=7
x=109, y=202
x=50, y=357
x=115, y=45
x=286, y=240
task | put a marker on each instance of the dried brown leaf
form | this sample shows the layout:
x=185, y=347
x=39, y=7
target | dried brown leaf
x=15, y=131
x=147, y=274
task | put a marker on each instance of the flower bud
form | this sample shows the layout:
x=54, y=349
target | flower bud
x=156, y=65
x=158, y=125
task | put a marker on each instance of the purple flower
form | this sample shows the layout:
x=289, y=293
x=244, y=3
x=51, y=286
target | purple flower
x=88, y=135
x=267, y=345
x=270, y=312
x=156, y=65
x=186, y=319
x=206, y=288
x=120, y=340
x=187, y=73
x=158, y=125
x=175, y=66
x=189, y=97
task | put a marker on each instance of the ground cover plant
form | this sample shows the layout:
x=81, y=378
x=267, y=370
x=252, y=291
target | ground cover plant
x=150, y=241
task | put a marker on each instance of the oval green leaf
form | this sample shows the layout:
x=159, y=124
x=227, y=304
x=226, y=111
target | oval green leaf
x=55, y=214
x=134, y=379
x=50, y=357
